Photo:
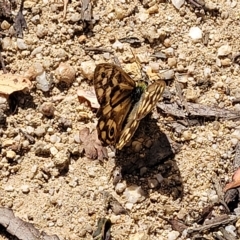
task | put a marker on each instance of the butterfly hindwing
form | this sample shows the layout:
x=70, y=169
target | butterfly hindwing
x=148, y=100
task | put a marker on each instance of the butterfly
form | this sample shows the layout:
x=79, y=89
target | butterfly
x=123, y=103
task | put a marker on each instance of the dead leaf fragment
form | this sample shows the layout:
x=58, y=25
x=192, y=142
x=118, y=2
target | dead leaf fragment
x=21, y=229
x=10, y=83
x=91, y=144
x=235, y=181
x=89, y=97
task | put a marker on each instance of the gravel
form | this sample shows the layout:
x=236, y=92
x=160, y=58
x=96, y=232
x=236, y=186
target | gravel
x=62, y=191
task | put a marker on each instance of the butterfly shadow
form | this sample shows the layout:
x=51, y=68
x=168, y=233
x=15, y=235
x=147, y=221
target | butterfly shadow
x=153, y=167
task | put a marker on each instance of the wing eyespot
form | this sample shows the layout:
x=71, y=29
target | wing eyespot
x=111, y=132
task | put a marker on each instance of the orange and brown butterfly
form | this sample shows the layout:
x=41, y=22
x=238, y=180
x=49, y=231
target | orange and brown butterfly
x=123, y=103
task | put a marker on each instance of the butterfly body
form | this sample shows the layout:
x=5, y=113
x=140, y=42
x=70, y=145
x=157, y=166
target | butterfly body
x=123, y=103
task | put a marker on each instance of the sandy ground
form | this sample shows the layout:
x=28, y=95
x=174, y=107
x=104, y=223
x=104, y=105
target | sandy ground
x=53, y=185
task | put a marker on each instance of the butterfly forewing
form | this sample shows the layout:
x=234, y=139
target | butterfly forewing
x=141, y=109
x=113, y=88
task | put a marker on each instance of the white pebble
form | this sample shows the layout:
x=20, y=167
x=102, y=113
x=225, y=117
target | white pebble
x=195, y=33
x=231, y=230
x=54, y=139
x=25, y=189
x=178, y=3
x=134, y=194
x=236, y=134
x=87, y=69
x=21, y=44
x=143, y=16
x=40, y=131
x=29, y=129
x=224, y=50
x=173, y=235
x=213, y=198
x=42, y=82
x=129, y=206
x=117, y=45
x=9, y=188
x=37, y=50
x=120, y=187
x=234, y=141
x=207, y=72
x=53, y=151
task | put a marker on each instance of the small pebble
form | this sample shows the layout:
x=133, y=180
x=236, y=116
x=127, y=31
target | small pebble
x=54, y=139
x=167, y=75
x=82, y=39
x=129, y=206
x=173, y=235
x=137, y=146
x=172, y=62
x=187, y=135
x=159, y=177
x=7, y=43
x=40, y=131
x=21, y=44
x=139, y=236
x=62, y=160
x=47, y=109
x=87, y=69
x=152, y=183
x=53, y=151
x=236, y=134
x=7, y=143
x=153, y=9
x=10, y=154
x=5, y=25
x=42, y=82
x=182, y=213
x=224, y=50
x=178, y=3
x=35, y=19
x=9, y=188
x=36, y=50
x=213, y=198
x=117, y=45
x=41, y=31
x=134, y=194
x=207, y=72
x=195, y=33
x=91, y=172
x=231, y=229
x=75, y=17
x=25, y=189
x=143, y=16
x=25, y=144
x=143, y=170
x=29, y=130
x=65, y=73
x=226, y=62
x=120, y=187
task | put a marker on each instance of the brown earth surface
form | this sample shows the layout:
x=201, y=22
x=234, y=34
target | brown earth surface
x=46, y=179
